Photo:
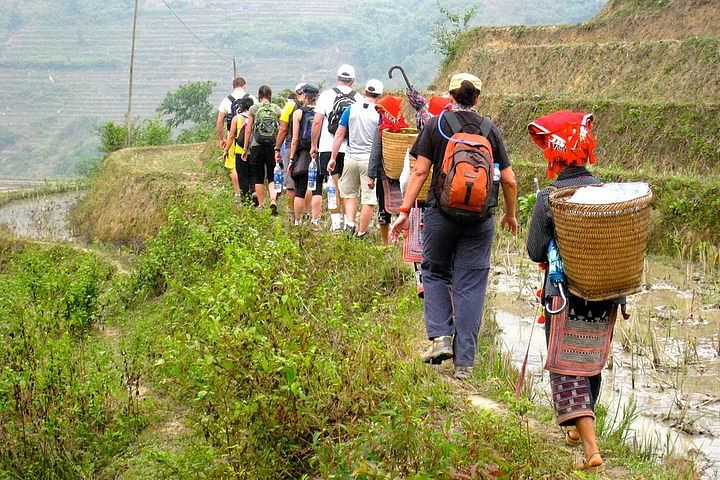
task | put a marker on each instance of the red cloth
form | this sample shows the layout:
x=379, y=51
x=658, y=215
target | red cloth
x=565, y=138
x=438, y=104
x=391, y=117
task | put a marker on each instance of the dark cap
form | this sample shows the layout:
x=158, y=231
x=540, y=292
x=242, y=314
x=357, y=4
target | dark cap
x=311, y=90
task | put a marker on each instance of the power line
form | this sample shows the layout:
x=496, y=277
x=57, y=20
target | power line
x=195, y=35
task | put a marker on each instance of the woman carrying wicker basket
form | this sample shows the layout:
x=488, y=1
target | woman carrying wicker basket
x=575, y=378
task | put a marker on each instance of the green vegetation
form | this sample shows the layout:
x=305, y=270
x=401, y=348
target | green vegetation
x=64, y=403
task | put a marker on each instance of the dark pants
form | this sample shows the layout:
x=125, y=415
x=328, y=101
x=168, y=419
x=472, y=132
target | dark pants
x=262, y=163
x=455, y=267
x=243, y=173
x=384, y=218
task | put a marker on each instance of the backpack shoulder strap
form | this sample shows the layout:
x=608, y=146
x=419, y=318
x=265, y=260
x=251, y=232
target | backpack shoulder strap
x=337, y=91
x=231, y=98
x=452, y=120
x=485, y=126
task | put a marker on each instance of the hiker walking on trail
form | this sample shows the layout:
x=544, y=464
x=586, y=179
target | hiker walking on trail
x=391, y=118
x=299, y=158
x=260, y=136
x=228, y=109
x=356, y=129
x=284, y=140
x=330, y=107
x=575, y=383
x=234, y=151
x=458, y=220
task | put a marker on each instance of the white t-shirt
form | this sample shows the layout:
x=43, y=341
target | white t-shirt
x=361, y=121
x=226, y=104
x=324, y=106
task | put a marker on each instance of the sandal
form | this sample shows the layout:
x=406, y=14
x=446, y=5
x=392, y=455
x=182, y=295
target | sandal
x=569, y=440
x=584, y=465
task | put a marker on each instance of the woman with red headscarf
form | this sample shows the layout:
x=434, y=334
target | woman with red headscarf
x=568, y=145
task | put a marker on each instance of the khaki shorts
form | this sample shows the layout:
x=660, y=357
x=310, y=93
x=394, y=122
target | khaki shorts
x=354, y=181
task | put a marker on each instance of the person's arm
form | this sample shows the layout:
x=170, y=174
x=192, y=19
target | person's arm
x=375, y=159
x=338, y=139
x=231, y=134
x=509, y=188
x=316, y=131
x=541, y=228
x=220, y=128
x=246, y=141
x=282, y=133
x=417, y=180
x=296, y=118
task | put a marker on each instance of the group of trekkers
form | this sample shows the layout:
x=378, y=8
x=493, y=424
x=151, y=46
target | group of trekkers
x=339, y=132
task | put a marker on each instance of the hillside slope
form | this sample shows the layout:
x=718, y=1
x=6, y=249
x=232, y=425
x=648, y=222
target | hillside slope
x=649, y=70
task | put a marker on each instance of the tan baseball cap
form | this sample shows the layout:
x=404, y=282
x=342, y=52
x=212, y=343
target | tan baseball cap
x=457, y=79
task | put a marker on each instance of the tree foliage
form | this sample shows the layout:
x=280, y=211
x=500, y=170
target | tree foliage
x=189, y=103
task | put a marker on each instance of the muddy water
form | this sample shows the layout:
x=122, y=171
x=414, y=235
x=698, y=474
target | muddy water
x=43, y=217
x=14, y=184
x=666, y=358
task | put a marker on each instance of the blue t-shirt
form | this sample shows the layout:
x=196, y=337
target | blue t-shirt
x=345, y=119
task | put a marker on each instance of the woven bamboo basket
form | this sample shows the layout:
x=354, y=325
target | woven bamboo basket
x=395, y=146
x=602, y=246
x=425, y=189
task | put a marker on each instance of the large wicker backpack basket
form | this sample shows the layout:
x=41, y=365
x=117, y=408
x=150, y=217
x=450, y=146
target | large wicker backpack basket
x=395, y=145
x=602, y=246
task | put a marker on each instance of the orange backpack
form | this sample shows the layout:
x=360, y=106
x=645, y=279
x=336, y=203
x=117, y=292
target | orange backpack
x=464, y=188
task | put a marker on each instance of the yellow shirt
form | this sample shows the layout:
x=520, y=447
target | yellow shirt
x=287, y=110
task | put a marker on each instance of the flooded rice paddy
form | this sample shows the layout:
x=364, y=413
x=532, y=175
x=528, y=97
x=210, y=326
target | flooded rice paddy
x=43, y=217
x=666, y=357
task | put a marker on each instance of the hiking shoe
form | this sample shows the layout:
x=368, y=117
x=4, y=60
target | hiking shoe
x=273, y=209
x=441, y=349
x=238, y=198
x=350, y=230
x=362, y=236
x=463, y=373
x=255, y=200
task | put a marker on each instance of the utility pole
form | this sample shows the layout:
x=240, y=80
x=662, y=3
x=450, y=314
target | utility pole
x=132, y=64
x=234, y=69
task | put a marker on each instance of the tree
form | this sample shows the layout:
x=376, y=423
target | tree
x=447, y=37
x=189, y=103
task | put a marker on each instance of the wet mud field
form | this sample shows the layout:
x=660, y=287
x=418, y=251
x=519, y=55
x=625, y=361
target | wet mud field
x=665, y=360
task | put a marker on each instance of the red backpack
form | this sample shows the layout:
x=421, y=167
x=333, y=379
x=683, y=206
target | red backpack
x=464, y=188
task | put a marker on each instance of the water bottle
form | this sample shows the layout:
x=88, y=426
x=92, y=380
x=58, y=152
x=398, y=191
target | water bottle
x=556, y=270
x=496, y=172
x=332, y=194
x=278, y=177
x=312, y=175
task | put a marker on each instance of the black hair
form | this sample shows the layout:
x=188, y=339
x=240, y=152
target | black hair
x=245, y=104
x=265, y=92
x=466, y=95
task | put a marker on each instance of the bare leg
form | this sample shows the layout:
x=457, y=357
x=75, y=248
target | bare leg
x=235, y=181
x=350, y=210
x=291, y=199
x=273, y=192
x=586, y=428
x=316, y=203
x=385, y=234
x=260, y=192
x=299, y=206
x=339, y=209
x=366, y=214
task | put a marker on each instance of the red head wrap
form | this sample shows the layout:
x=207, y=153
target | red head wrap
x=565, y=139
x=391, y=117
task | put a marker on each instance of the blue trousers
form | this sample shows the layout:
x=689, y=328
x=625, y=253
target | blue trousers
x=455, y=267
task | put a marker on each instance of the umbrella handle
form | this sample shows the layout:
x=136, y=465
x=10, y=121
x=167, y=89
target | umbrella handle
x=562, y=295
x=402, y=70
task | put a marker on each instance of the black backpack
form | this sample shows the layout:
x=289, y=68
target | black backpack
x=306, y=124
x=234, y=108
x=342, y=101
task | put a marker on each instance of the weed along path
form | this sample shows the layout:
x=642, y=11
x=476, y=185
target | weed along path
x=662, y=384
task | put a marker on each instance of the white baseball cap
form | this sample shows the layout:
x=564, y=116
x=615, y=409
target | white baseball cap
x=374, y=86
x=346, y=72
x=299, y=86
